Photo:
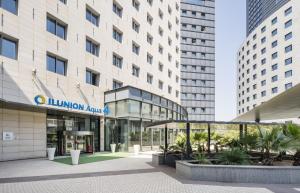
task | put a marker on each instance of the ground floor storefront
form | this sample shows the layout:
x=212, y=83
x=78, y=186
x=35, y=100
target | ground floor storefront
x=28, y=130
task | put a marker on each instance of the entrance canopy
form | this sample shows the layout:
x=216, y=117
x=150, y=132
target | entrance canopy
x=283, y=106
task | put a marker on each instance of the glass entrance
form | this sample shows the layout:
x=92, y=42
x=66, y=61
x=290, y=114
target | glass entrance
x=81, y=140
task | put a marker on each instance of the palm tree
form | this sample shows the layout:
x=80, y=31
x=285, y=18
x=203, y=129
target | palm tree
x=270, y=140
x=199, y=139
x=292, y=141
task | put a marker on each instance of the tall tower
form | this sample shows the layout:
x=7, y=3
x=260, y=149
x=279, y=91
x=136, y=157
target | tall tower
x=259, y=10
x=198, y=58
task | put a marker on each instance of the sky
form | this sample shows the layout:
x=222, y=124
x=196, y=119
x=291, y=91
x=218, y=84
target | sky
x=230, y=34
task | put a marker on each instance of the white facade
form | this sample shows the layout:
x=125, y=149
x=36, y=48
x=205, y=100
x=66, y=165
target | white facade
x=27, y=75
x=267, y=62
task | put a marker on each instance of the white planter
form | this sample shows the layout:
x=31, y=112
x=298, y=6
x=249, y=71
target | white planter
x=136, y=149
x=113, y=148
x=75, y=156
x=51, y=152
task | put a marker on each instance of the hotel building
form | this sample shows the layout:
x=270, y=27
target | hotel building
x=69, y=68
x=267, y=60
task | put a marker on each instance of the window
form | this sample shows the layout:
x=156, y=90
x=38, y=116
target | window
x=150, y=2
x=160, y=49
x=160, y=67
x=149, y=78
x=177, y=93
x=263, y=93
x=274, y=90
x=288, y=49
x=136, y=4
x=263, y=61
x=149, y=39
x=160, y=31
x=63, y=1
x=149, y=58
x=169, y=73
x=263, y=50
x=117, y=9
x=263, y=83
x=169, y=89
x=288, y=23
x=117, y=60
x=274, y=21
x=274, y=55
x=263, y=29
x=274, y=32
x=8, y=47
x=92, y=16
x=288, y=73
x=288, y=11
x=56, y=65
x=288, y=86
x=288, y=61
x=117, y=35
x=92, y=78
x=117, y=84
x=160, y=84
x=92, y=47
x=56, y=28
x=274, y=78
x=274, y=67
x=288, y=36
x=10, y=5
x=135, y=48
x=160, y=13
x=263, y=40
x=135, y=71
x=149, y=19
x=274, y=44
x=135, y=26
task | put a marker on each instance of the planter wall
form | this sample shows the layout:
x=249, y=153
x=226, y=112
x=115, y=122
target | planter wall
x=157, y=159
x=239, y=174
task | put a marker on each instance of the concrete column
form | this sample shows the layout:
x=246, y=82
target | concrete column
x=102, y=133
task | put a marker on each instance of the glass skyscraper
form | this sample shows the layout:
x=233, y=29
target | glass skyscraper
x=259, y=10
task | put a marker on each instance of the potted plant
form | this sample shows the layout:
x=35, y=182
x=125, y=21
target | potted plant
x=51, y=153
x=114, y=138
x=75, y=153
x=136, y=149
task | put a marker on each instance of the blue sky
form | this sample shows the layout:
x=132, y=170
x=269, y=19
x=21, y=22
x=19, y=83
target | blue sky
x=230, y=33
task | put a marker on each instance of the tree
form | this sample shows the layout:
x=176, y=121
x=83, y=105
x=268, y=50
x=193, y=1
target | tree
x=292, y=141
x=270, y=140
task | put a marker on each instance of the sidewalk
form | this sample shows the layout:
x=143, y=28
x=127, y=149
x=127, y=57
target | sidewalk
x=133, y=174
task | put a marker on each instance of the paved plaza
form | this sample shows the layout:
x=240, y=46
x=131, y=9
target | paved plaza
x=133, y=174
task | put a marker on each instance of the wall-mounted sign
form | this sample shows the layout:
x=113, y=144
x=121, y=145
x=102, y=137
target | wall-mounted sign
x=8, y=136
x=42, y=100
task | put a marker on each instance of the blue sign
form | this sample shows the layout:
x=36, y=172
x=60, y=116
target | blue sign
x=41, y=100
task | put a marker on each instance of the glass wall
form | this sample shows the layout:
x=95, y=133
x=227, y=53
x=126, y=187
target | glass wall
x=130, y=109
x=65, y=129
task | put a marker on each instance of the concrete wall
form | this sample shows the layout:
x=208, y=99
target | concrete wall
x=29, y=129
x=239, y=174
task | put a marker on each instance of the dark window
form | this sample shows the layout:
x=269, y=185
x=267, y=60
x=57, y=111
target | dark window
x=92, y=17
x=117, y=84
x=117, y=9
x=56, y=65
x=10, y=5
x=56, y=28
x=92, y=78
x=92, y=47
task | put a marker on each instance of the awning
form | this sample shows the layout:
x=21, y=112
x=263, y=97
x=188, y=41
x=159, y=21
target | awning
x=283, y=106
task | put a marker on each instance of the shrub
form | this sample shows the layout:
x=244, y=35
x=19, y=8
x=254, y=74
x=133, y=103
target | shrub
x=201, y=158
x=234, y=156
